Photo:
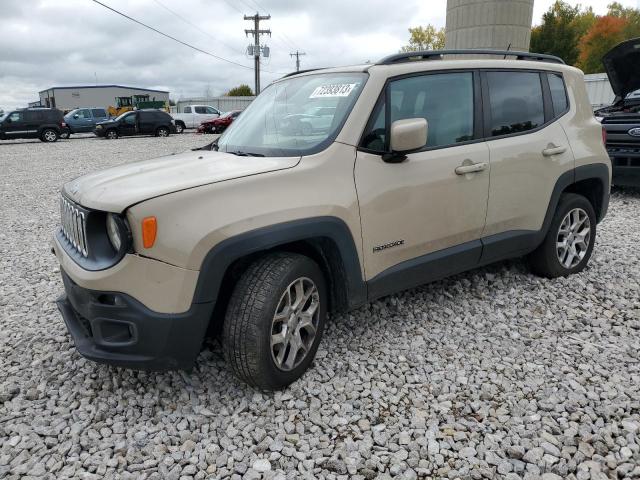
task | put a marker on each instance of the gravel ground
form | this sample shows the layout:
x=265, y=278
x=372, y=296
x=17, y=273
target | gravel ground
x=491, y=374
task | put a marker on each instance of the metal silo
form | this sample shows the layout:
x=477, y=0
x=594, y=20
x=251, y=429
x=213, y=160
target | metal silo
x=494, y=24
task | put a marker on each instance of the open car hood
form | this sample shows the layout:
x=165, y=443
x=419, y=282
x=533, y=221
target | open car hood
x=622, y=64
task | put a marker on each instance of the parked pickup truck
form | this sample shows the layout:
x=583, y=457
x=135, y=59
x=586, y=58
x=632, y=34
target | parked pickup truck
x=193, y=115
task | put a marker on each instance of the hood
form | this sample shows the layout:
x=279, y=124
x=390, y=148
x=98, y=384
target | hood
x=107, y=122
x=117, y=188
x=622, y=64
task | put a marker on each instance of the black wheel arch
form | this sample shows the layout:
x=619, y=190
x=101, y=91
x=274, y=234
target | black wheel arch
x=326, y=240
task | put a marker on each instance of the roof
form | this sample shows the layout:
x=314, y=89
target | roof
x=103, y=86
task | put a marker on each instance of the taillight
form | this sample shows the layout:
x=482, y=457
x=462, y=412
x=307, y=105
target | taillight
x=604, y=136
x=62, y=124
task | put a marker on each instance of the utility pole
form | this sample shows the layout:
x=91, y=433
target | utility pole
x=255, y=48
x=297, y=54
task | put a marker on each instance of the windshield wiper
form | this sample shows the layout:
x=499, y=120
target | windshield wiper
x=246, y=154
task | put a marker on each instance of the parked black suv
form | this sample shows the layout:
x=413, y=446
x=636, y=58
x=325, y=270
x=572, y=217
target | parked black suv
x=622, y=119
x=47, y=124
x=138, y=122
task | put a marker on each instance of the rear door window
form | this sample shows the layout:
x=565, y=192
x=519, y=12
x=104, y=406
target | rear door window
x=98, y=113
x=516, y=102
x=187, y=110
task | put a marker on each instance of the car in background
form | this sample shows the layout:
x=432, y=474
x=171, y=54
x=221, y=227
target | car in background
x=47, y=124
x=219, y=125
x=192, y=116
x=621, y=121
x=317, y=120
x=137, y=122
x=83, y=120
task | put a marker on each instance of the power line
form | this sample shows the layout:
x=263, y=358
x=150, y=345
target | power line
x=195, y=26
x=177, y=40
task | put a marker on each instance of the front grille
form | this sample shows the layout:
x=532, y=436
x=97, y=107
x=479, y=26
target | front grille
x=74, y=226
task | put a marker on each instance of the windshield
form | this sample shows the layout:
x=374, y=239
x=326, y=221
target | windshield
x=296, y=116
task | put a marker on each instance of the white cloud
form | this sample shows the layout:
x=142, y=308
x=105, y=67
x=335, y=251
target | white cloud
x=52, y=42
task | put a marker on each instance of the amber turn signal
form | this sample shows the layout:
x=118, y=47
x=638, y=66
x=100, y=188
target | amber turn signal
x=149, y=231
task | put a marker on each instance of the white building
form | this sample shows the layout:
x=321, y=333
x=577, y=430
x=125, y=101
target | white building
x=68, y=98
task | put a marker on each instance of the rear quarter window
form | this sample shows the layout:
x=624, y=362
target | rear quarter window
x=558, y=94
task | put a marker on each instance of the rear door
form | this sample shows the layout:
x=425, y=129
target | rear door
x=99, y=115
x=188, y=117
x=147, y=122
x=529, y=151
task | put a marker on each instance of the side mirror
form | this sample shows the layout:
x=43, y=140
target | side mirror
x=75, y=115
x=407, y=136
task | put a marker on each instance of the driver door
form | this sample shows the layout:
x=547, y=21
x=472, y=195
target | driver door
x=422, y=219
x=129, y=124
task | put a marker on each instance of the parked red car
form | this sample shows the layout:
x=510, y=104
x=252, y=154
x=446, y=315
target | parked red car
x=220, y=124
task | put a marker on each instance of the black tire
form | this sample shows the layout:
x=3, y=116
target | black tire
x=111, y=134
x=179, y=127
x=162, y=132
x=545, y=261
x=249, y=320
x=49, y=135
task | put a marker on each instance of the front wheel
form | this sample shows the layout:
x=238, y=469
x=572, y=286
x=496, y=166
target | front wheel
x=65, y=135
x=111, y=135
x=49, y=135
x=568, y=244
x=274, y=320
x=162, y=132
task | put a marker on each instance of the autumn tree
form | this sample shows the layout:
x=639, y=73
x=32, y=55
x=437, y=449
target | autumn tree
x=630, y=15
x=560, y=31
x=605, y=34
x=425, y=38
x=240, y=91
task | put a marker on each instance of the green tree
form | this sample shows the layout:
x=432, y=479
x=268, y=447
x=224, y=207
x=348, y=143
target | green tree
x=240, y=91
x=558, y=34
x=425, y=38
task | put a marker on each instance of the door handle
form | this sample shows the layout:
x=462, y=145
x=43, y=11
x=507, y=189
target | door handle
x=552, y=150
x=472, y=168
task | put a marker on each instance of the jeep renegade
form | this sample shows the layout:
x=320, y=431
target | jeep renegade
x=429, y=166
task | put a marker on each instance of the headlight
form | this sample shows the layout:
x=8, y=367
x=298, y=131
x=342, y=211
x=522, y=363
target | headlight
x=113, y=231
x=98, y=126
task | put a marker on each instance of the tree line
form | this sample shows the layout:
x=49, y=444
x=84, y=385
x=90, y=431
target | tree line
x=575, y=34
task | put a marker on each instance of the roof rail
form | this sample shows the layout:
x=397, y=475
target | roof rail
x=290, y=74
x=438, y=54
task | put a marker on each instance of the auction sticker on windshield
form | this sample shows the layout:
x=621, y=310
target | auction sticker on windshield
x=333, y=90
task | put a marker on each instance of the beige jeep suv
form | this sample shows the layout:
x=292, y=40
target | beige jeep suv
x=334, y=188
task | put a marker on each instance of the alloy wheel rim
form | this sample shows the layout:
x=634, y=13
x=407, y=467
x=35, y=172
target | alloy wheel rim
x=162, y=132
x=49, y=136
x=111, y=134
x=295, y=324
x=574, y=237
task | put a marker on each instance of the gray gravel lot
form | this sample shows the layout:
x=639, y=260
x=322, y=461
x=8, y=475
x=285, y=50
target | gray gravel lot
x=491, y=374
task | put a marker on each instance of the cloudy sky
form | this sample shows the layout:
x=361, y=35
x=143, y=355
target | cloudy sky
x=73, y=42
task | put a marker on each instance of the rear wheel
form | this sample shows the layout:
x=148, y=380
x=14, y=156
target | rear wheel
x=162, y=132
x=111, y=134
x=49, y=135
x=568, y=244
x=274, y=320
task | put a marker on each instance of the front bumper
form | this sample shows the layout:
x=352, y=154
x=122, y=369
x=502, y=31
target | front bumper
x=114, y=328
